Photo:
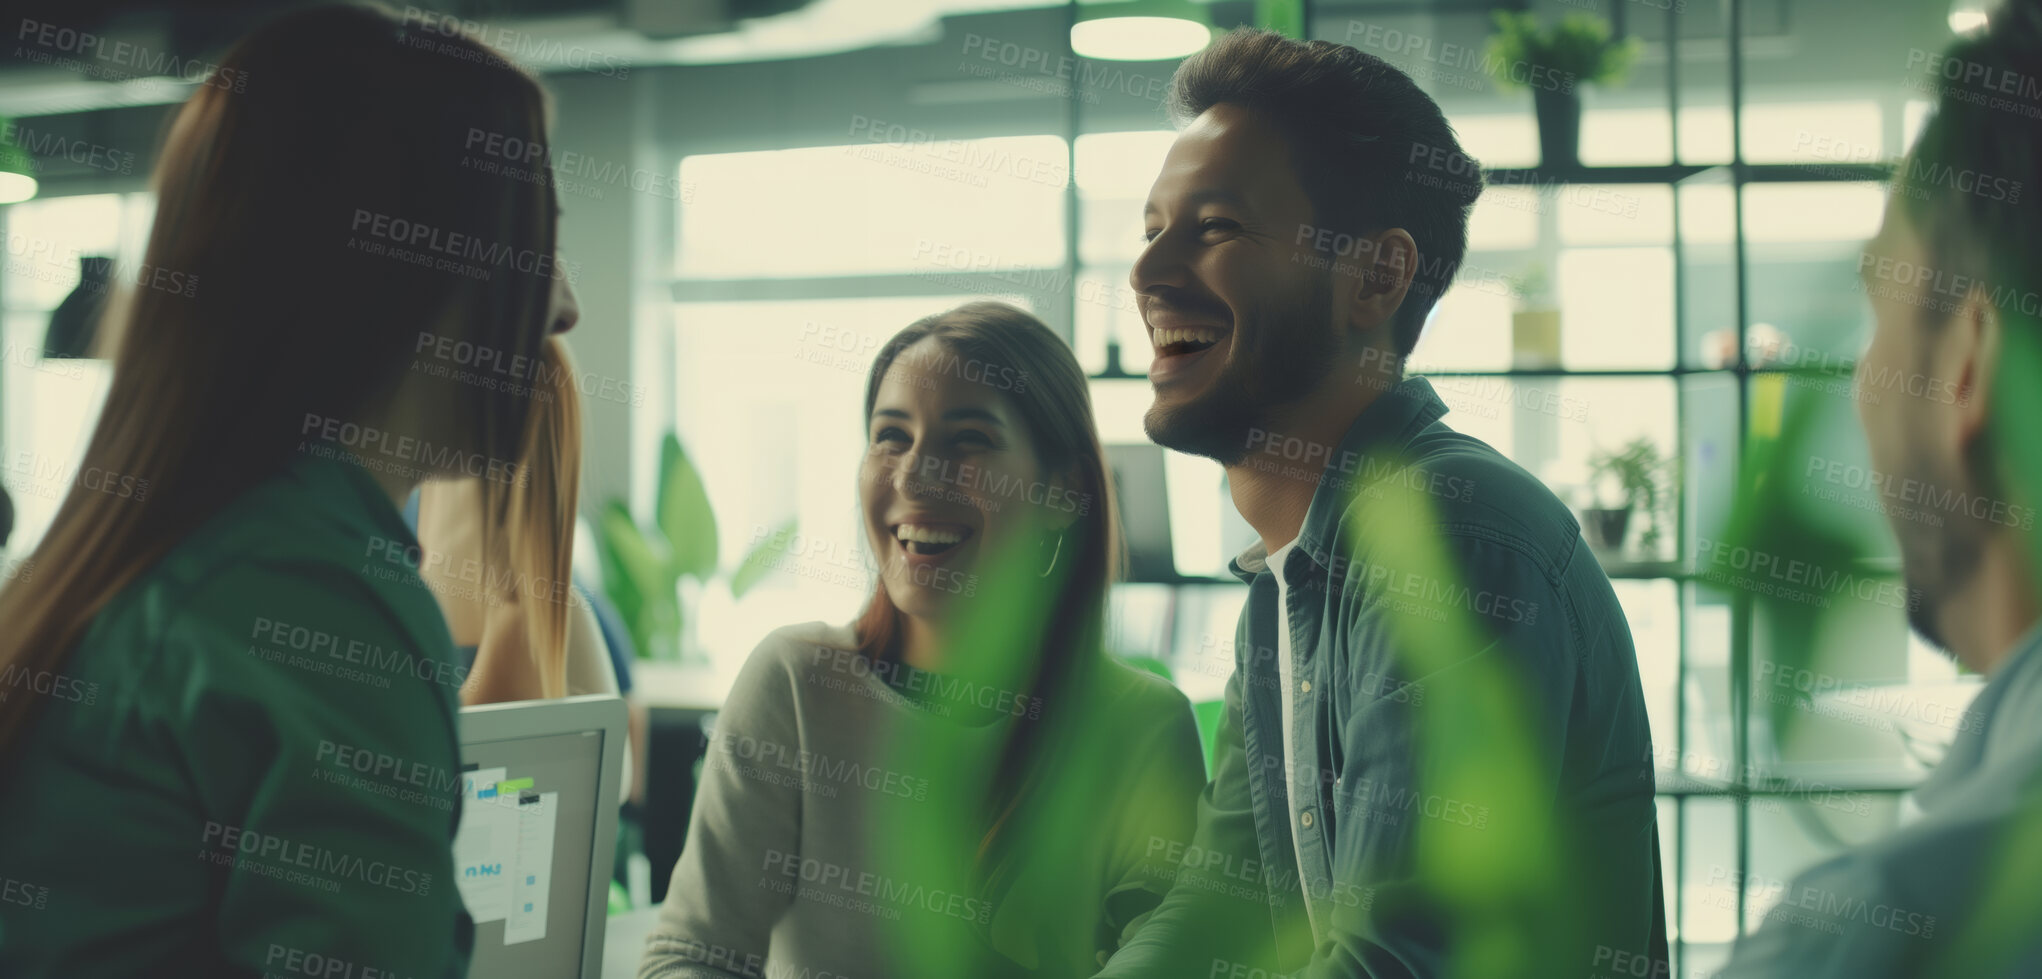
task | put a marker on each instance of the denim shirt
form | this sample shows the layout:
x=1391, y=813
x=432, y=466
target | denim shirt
x=1952, y=893
x=1346, y=890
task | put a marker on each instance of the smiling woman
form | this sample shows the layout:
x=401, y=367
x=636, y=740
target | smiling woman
x=974, y=683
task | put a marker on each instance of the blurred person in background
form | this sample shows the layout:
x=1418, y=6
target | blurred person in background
x=522, y=628
x=1946, y=392
x=1434, y=743
x=192, y=664
x=961, y=782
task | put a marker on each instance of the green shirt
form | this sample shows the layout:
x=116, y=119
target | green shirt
x=250, y=764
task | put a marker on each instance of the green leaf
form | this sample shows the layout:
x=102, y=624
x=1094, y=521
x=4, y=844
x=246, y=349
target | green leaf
x=640, y=581
x=684, y=514
x=1580, y=46
x=759, y=562
x=622, y=549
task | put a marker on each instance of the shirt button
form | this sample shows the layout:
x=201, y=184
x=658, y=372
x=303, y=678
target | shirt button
x=1306, y=819
x=1306, y=686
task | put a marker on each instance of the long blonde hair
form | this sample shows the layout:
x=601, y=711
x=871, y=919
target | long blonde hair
x=538, y=538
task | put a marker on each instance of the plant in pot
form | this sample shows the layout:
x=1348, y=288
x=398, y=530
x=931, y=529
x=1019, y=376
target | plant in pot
x=1632, y=480
x=1554, y=62
x=655, y=575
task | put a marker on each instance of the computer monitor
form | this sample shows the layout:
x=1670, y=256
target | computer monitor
x=538, y=833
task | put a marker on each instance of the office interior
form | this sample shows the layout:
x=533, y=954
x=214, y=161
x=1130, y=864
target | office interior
x=757, y=193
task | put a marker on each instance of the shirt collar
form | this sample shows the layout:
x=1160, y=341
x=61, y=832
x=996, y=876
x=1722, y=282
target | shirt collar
x=2012, y=696
x=1388, y=423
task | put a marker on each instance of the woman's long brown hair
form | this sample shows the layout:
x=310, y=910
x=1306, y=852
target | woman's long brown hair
x=278, y=196
x=1056, y=404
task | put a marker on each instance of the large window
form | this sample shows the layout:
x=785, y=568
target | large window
x=794, y=267
x=50, y=406
x=1706, y=248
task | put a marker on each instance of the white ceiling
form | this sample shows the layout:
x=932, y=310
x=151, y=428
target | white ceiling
x=562, y=44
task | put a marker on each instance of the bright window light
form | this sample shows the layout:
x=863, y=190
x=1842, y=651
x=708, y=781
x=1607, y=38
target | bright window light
x=1106, y=308
x=1138, y=38
x=1500, y=140
x=1967, y=16
x=1505, y=217
x=1623, y=137
x=1705, y=134
x=1121, y=164
x=1812, y=212
x=1115, y=171
x=16, y=187
x=1813, y=132
x=1778, y=213
x=903, y=204
x=1469, y=329
x=51, y=406
x=1616, y=308
x=1913, y=116
x=1625, y=214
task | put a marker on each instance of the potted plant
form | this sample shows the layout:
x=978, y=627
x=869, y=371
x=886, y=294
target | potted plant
x=1634, y=479
x=1554, y=62
x=644, y=569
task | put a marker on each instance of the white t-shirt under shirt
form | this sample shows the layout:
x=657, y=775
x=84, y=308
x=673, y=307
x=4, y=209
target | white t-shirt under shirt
x=1287, y=681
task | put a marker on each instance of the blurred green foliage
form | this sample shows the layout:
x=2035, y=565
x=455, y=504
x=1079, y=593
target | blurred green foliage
x=1579, y=47
x=643, y=566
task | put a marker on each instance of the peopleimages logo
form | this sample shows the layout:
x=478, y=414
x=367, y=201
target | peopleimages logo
x=822, y=876
x=566, y=170
x=235, y=842
x=45, y=683
x=415, y=455
x=24, y=894
x=444, y=249
x=1456, y=59
x=299, y=962
x=505, y=41
x=46, y=145
x=100, y=56
x=1792, y=579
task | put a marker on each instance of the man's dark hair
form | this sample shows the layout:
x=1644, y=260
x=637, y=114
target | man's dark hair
x=6, y=516
x=1972, y=186
x=1371, y=149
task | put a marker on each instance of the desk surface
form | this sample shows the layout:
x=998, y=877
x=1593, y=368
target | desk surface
x=624, y=939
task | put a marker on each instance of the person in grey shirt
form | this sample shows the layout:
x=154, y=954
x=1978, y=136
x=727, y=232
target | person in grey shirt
x=961, y=782
x=1434, y=750
x=1945, y=394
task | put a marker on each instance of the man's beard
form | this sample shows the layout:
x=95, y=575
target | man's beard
x=1295, y=352
x=1938, y=563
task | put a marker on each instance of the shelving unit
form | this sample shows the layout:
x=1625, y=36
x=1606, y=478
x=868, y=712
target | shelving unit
x=1742, y=784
